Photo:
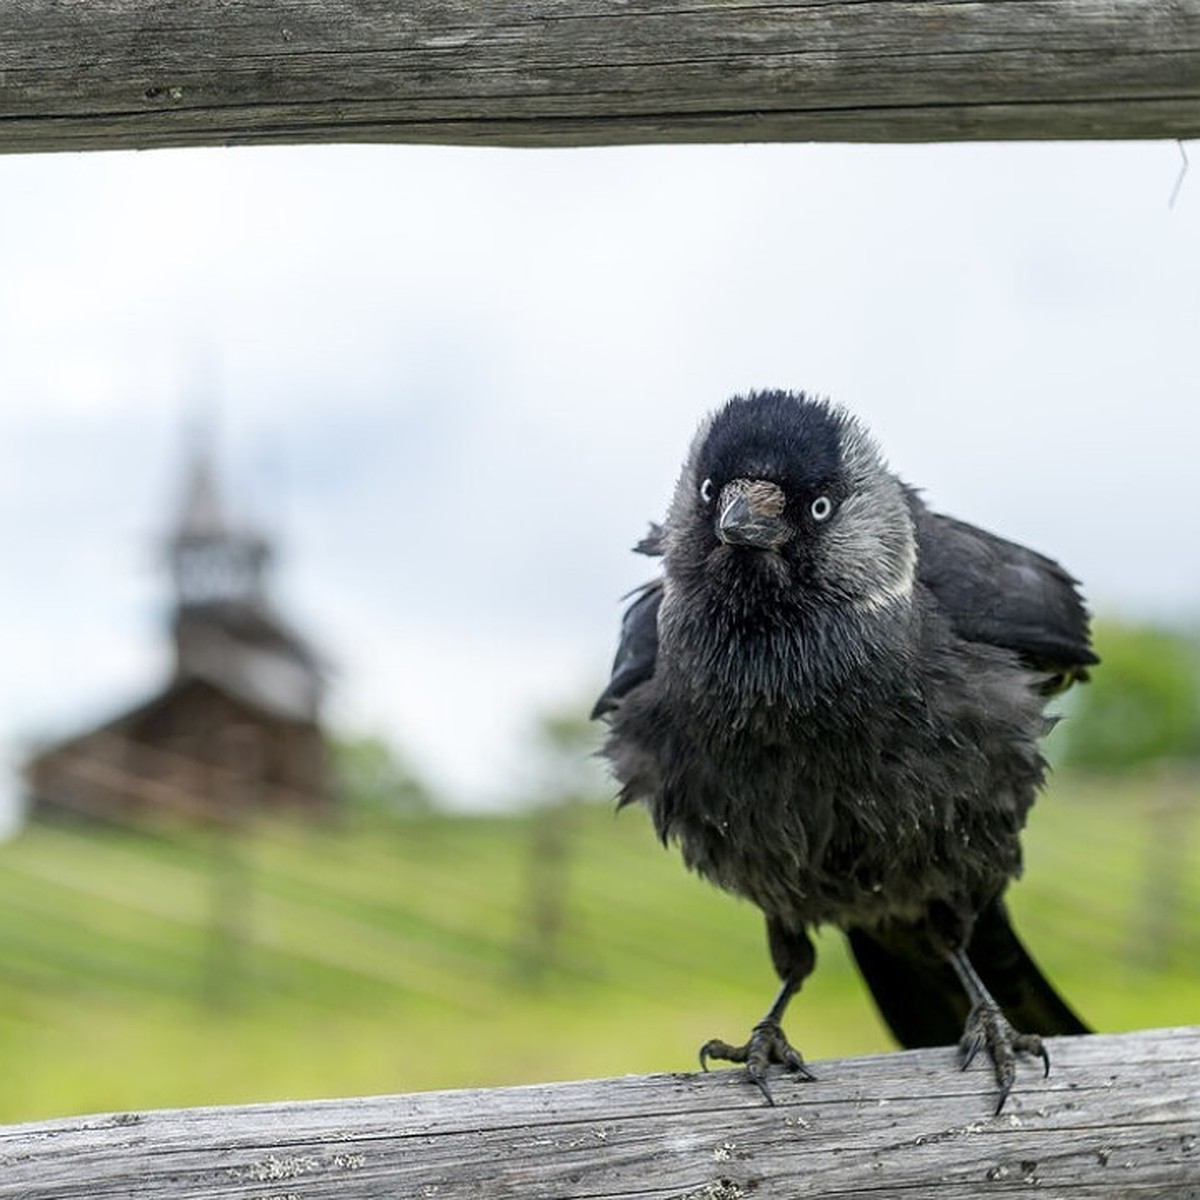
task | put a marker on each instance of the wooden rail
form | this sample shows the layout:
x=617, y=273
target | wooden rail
x=110, y=74
x=1119, y=1116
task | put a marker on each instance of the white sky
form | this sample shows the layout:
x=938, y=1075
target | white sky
x=457, y=383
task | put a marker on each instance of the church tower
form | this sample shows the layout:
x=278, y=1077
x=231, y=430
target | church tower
x=225, y=626
x=238, y=724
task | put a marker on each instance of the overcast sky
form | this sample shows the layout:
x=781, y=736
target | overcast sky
x=455, y=384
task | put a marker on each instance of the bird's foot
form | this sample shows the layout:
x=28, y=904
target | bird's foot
x=767, y=1045
x=988, y=1028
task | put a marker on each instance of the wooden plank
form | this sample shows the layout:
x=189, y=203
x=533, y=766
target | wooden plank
x=1119, y=1116
x=107, y=74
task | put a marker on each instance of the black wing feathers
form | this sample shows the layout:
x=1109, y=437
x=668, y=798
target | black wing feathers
x=637, y=650
x=997, y=592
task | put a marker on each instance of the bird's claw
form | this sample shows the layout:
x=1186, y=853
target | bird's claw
x=767, y=1044
x=988, y=1028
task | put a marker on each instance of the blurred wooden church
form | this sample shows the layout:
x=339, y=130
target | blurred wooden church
x=238, y=725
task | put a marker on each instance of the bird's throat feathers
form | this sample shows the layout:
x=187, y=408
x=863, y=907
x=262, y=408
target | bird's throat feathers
x=758, y=652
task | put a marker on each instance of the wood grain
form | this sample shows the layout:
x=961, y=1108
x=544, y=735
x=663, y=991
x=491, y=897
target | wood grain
x=1119, y=1116
x=107, y=74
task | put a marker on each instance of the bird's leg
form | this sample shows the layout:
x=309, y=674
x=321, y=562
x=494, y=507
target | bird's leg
x=987, y=1027
x=794, y=958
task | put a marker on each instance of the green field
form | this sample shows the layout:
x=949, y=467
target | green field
x=148, y=970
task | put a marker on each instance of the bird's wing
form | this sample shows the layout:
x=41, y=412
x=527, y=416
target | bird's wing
x=997, y=592
x=637, y=650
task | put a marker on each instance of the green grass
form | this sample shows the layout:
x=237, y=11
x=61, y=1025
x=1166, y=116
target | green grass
x=389, y=957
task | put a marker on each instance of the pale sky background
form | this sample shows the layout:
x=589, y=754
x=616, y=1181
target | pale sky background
x=455, y=384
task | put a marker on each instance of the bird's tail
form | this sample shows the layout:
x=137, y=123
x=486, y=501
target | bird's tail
x=921, y=999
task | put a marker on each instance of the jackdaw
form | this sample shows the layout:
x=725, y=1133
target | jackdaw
x=832, y=700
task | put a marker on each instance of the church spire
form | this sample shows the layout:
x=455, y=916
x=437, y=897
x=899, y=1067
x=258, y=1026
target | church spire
x=201, y=513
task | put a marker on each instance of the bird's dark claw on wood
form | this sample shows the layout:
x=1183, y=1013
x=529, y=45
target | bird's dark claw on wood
x=988, y=1028
x=767, y=1045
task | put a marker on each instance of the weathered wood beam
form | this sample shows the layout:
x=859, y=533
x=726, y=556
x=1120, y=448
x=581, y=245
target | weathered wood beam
x=109, y=74
x=1119, y=1116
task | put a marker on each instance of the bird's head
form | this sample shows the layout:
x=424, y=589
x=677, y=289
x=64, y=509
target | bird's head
x=783, y=487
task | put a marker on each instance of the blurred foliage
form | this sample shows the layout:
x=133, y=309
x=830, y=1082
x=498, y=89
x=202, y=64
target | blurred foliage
x=1142, y=703
x=565, y=775
x=564, y=748
x=370, y=774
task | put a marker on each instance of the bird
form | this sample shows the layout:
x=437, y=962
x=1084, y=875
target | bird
x=831, y=700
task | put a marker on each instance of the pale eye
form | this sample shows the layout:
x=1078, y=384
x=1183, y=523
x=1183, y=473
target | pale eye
x=706, y=491
x=821, y=508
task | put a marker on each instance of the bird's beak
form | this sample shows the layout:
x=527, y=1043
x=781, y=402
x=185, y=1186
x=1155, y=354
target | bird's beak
x=750, y=513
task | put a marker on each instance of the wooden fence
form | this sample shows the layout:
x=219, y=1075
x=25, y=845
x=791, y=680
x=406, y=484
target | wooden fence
x=1119, y=1116
x=109, y=74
